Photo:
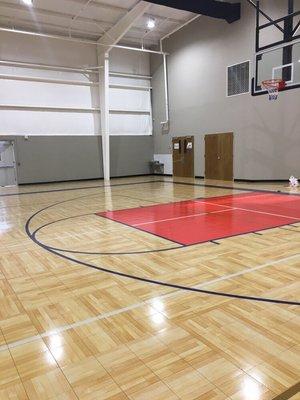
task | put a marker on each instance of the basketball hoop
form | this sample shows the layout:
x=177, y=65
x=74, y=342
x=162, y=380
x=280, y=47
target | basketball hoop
x=273, y=86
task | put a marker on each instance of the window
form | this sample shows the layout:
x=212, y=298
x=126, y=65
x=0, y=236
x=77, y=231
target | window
x=238, y=78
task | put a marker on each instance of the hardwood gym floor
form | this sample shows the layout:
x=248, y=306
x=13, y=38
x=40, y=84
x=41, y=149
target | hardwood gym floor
x=69, y=330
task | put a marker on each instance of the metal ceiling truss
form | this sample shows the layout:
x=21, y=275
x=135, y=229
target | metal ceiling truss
x=124, y=10
x=55, y=14
x=136, y=35
x=77, y=32
x=46, y=12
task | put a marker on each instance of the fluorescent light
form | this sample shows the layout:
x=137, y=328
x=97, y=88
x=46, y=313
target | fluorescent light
x=28, y=2
x=151, y=23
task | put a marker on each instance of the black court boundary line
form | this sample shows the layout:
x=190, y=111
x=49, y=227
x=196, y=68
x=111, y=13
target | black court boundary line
x=151, y=181
x=96, y=253
x=146, y=280
x=181, y=245
x=130, y=226
x=289, y=393
x=232, y=188
x=122, y=223
x=78, y=188
x=170, y=285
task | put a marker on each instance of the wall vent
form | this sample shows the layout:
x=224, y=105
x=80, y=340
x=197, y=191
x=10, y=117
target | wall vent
x=238, y=78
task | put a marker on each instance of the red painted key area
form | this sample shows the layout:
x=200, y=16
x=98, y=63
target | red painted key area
x=197, y=221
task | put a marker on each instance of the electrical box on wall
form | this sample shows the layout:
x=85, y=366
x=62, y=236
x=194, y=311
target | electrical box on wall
x=165, y=126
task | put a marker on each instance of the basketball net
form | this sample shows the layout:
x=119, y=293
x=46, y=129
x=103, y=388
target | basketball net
x=273, y=86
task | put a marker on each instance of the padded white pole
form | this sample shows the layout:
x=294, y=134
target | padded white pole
x=103, y=59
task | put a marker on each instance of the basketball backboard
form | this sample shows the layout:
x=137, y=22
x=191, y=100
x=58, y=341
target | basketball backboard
x=277, y=43
x=269, y=64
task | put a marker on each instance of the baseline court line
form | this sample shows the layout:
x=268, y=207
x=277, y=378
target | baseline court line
x=119, y=311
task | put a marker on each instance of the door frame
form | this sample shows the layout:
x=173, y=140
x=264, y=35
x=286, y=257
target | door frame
x=183, y=141
x=14, y=166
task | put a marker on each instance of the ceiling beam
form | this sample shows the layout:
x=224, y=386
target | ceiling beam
x=217, y=9
x=115, y=34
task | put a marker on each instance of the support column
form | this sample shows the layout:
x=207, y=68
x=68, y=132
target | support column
x=112, y=37
x=103, y=59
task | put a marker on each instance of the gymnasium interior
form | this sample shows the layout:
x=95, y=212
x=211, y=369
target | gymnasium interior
x=149, y=199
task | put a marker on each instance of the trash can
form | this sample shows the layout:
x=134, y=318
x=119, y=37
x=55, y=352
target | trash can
x=157, y=167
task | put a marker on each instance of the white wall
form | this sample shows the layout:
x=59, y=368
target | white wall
x=266, y=134
x=70, y=108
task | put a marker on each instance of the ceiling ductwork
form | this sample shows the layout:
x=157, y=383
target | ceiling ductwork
x=217, y=9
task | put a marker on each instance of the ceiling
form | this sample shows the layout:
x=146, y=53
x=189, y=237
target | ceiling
x=90, y=19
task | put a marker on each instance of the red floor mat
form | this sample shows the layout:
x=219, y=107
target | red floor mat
x=197, y=221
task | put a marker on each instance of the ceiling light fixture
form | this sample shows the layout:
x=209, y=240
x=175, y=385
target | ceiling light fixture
x=28, y=2
x=151, y=23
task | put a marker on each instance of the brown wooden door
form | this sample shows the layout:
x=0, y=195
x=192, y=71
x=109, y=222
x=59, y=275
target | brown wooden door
x=211, y=156
x=177, y=157
x=183, y=156
x=188, y=149
x=219, y=156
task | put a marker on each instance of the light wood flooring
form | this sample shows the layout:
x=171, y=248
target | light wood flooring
x=68, y=331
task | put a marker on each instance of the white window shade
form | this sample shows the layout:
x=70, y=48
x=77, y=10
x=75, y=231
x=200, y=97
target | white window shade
x=19, y=122
x=47, y=94
x=128, y=99
x=123, y=80
x=123, y=125
x=130, y=105
x=45, y=102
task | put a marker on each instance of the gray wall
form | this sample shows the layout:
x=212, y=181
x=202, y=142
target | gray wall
x=74, y=152
x=63, y=158
x=267, y=137
x=130, y=155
